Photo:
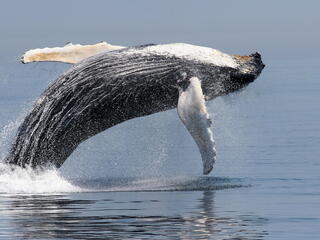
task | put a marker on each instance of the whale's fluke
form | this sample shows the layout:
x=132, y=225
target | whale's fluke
x=194, y=115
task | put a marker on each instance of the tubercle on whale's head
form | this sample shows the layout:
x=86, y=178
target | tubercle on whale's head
x=250, y=64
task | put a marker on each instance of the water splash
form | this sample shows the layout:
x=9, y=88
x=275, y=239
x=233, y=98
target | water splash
x=27, y=180
x=16, y=180
x=6, y=134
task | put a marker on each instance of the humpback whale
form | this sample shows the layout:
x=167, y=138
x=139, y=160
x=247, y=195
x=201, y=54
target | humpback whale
x=108, y=85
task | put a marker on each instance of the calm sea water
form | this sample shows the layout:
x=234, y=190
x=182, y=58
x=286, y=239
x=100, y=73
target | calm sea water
x=142, y=179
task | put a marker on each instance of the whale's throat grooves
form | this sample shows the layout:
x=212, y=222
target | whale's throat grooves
x=94, y=95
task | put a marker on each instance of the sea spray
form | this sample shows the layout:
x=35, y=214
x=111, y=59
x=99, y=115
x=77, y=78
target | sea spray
x=27, y=180
x=14, y=179
x=6, y=135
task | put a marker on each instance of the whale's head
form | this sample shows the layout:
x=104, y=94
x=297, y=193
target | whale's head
x=232, y=73
x=220, y=73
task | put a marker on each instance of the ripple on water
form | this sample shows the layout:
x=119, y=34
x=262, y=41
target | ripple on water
x=78, y=217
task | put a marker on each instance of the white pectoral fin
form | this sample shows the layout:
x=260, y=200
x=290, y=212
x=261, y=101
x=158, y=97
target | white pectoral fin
x=70, y=53
x=193, y=113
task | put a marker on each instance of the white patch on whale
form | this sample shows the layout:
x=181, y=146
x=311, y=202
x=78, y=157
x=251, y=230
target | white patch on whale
x=194, y=53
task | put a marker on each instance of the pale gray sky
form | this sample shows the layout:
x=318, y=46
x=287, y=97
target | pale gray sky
x=278, y=29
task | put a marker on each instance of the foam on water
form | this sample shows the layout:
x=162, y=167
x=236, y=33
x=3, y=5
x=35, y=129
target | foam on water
x=27, y=180
x=16, y=180
x=34, y=181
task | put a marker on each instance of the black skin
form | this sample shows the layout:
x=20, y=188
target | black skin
x=107, y=89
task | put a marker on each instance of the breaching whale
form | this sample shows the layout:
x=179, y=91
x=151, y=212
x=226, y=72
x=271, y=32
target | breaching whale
x=109, y=84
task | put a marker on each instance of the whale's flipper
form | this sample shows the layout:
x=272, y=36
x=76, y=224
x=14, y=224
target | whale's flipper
x=70, y=53
x=193, y=113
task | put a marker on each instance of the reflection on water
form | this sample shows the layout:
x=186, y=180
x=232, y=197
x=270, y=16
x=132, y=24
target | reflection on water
x=126, y=215
x=178, y=183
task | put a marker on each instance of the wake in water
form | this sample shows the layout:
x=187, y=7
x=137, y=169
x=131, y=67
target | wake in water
x=180, y=183
x=31, y=181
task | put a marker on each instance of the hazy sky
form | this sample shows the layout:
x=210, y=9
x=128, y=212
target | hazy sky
x=277, y=29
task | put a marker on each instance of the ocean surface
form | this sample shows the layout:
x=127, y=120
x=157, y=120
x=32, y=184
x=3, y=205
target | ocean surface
x=143, y=179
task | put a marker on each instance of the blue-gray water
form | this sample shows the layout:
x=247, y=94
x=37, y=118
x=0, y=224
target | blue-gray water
x=142, y=179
